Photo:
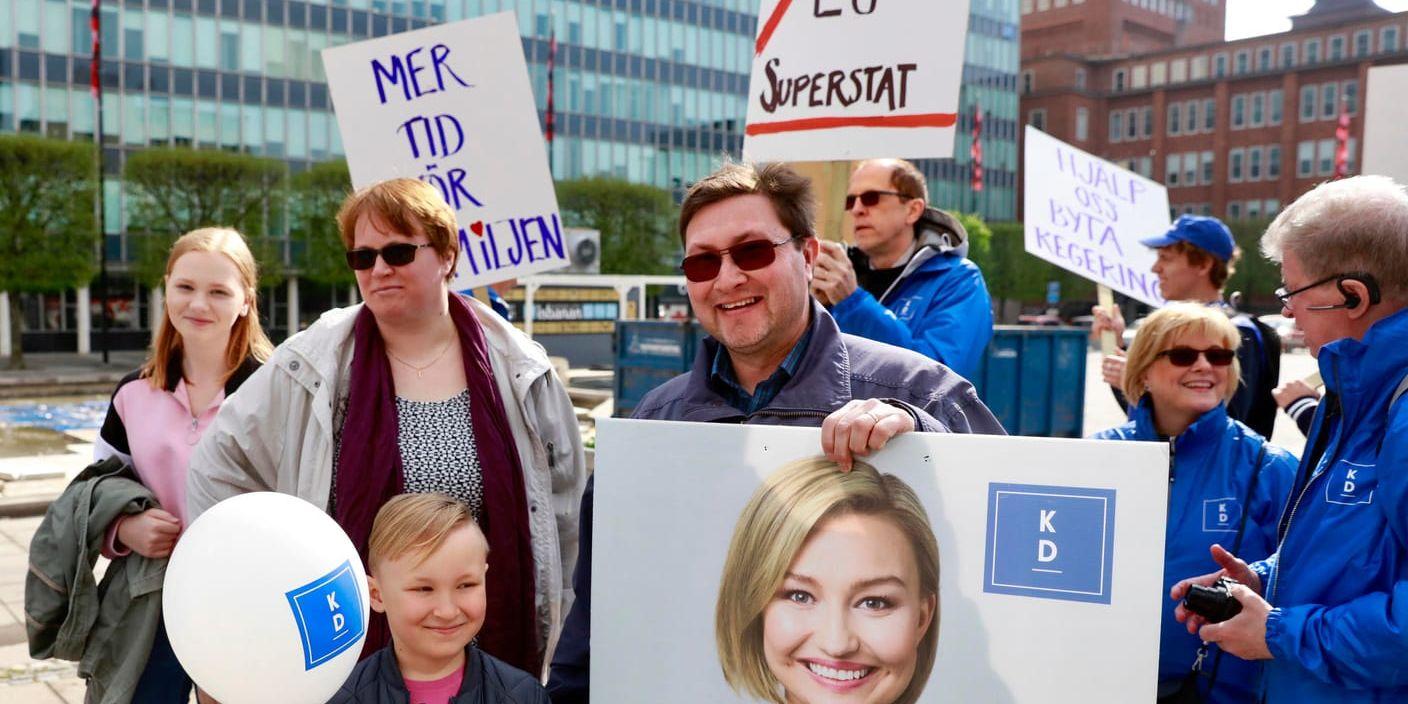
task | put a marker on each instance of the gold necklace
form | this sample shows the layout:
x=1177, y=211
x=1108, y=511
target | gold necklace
x=420, y=371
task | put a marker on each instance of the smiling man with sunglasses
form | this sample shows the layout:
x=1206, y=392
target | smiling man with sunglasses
x=774, y=356
x=1326, y=611
x=906, y=281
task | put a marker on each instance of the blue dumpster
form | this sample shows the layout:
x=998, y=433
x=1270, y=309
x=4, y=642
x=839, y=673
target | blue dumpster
x=1033, y=379
x=649, y=353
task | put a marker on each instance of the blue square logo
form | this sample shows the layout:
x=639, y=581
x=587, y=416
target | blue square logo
x=1222, y=515
x=1050, y=542
x=1351, y=483
x=328, y=612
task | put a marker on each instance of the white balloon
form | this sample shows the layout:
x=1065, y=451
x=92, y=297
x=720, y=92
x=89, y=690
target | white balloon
x=265, y=600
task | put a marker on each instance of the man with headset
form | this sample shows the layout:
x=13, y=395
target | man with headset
x=1327, y=609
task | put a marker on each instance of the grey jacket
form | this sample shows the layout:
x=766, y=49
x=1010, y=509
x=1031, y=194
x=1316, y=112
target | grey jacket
x=277, y=434
x=108, y=628
x=836, y=368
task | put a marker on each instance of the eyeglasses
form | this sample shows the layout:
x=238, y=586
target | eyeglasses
x=399, y=254
x=748, y=256
x=870, y=198
x=1285, y=296
x=1187, y=356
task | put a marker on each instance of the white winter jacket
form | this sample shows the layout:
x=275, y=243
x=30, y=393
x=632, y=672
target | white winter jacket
x=276, y=434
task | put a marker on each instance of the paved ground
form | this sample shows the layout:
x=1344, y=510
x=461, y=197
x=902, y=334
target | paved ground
x=27, y=681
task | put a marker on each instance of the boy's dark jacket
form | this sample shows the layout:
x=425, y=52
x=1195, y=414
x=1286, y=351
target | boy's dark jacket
x=487, y=680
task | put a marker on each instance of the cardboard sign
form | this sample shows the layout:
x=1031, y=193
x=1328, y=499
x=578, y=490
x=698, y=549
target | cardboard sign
x=837, y=80
x=451, y=105
x=1385, y=147
x=1086, y=215
x=1044, y=548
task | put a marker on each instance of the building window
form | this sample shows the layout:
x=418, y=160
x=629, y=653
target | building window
x=1329, y=101
x=1116, y=125
x=1336, y=47
x=1273, y=162
x=1119, y=80
x=1309, y=99
x=1027, y=83
x=1037, y=119
x=1219, y=66
x=1288, y=55
x=1388, y=40
x=1351, y=96
x=1190, y=117
x=1351, y=156
x=1272, y=207
x=1234, y=210
x=1148, y=113
x=1082, y=124
x=1208, y=172
x=1175, y=119
x=1210, y=114
x=1277, y=100
x=1254, y=164
x=1234, y=164
x=1305, y=159
x=1139, y=77
x=1263, y=59
x=1178, y=71
x=1312, y=51
x=1243, y=62
x=1363, y=41
x=1239, y=112
x=1253, y=209
x=1199, y=69
x=1080, y=79
x=1325, y=157
x=1190, y=169
x=1172, y=169
x=1158, y=74
x=1258, y=109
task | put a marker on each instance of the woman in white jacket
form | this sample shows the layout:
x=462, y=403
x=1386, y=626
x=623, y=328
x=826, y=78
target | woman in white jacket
x=472, y=405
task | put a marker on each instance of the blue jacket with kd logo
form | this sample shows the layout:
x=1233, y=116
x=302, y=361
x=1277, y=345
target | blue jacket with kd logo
x=1214, y=461
x=939, y=307
x=1338, y=583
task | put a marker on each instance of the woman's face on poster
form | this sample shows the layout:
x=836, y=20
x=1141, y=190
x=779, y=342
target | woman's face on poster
x=847, y=621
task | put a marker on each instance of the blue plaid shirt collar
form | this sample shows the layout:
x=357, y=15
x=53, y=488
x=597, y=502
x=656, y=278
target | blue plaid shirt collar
x=724, y=381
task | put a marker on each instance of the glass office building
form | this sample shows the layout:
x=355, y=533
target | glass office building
x=652, y=91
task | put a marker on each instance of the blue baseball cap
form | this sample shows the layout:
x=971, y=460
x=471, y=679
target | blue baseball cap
x=1205, y=233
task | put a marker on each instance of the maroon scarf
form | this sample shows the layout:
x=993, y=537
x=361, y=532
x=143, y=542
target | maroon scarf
x=369, y=473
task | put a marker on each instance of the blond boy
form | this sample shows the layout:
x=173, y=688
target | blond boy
x=428, y=562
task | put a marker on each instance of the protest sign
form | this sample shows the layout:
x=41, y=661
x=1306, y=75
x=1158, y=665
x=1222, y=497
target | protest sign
x=1049, y=561
x=1086, y=215
x=855, y=79
x=451, y=105
x=1385, y=147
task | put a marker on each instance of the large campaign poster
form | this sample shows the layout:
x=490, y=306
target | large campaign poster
x=1086, y=215
x=451, y=105
x=837, y=80
x=713, y=553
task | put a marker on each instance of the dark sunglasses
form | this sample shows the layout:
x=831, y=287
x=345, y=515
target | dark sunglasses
x=748, y=256
x=870, y=198
x=1187, y=356
x=399, y=254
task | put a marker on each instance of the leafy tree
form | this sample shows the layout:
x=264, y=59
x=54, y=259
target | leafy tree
x=314, y=199
x=636, y=222
x=1255, y=276
x=175, y=190
x=1013, y=274
x=47, y=229
x=979, y=234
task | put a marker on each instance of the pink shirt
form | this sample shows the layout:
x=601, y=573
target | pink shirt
x=439, y=691
x=156, y=431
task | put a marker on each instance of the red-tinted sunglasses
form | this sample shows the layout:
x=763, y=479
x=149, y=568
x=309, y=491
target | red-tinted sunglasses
x=748, y=256
x=1187, y=356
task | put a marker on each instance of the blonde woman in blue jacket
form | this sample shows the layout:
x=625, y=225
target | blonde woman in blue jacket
x=1227, y=484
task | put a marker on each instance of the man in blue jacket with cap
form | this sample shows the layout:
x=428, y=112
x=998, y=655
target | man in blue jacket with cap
x=907, y=281
x=1328, y=610
x=1195, y=258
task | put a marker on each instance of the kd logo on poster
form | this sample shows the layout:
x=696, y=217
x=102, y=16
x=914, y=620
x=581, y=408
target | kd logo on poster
x=1221, y=515
x=1050, y=542
x=328, y=611
x=1350, y=483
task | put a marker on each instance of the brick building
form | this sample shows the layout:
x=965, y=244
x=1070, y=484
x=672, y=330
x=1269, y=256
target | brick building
x=1234, y=129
